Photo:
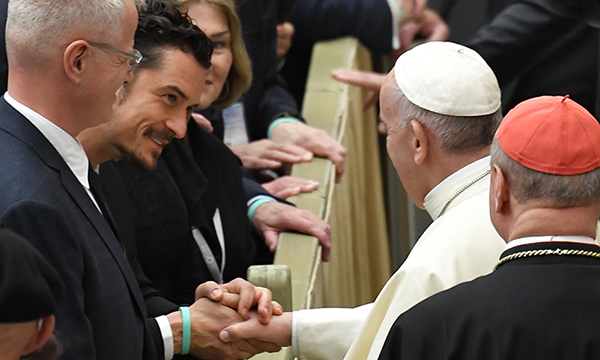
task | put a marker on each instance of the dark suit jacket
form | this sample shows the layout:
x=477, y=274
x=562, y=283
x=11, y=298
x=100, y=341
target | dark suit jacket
x=545, y=47
x=540, y=307
x=268, y=97
x=3, y=59
x=370, y=21
x=122, y=213
x=102, y=315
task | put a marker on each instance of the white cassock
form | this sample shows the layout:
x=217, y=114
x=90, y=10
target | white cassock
x=460, y=245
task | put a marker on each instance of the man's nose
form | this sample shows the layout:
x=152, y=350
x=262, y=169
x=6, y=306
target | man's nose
x=178, y=125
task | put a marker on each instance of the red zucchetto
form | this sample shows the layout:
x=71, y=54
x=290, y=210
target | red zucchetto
x=551, y=134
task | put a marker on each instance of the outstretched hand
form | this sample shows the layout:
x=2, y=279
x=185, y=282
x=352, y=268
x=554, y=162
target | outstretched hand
x=314, y=140
x=430, y=26
x=411, y=9
x=367, y=80
x=268, y=154
x=286, y=186
x=208, y=319
x=278, y=331
x=272, y=218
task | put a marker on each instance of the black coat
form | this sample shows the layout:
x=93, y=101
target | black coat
x=268, y=97
x=542, y=47
x=370, y=21
x=3, y=59
x=103, y=315
x=184, y=191
x=541, y=307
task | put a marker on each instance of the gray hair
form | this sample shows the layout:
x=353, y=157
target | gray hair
x=37, y=28
x=562, y=190
x=454, y=134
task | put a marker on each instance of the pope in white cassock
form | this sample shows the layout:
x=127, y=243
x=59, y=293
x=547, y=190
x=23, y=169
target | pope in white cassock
x=441, y=107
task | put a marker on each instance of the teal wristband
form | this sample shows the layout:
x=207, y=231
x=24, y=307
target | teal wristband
x=398, y=10
x=186, y=325
x=255, y=206
x=279, y=121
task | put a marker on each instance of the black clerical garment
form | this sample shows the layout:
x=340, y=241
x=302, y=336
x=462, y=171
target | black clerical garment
x=540, y=307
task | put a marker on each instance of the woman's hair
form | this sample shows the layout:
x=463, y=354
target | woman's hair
x=240, y=75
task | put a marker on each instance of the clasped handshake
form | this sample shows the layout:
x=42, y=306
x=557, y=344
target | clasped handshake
x=232, y=321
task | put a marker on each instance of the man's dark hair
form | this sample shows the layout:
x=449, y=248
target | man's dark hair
x=160, y=25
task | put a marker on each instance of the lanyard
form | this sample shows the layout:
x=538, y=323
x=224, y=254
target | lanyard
x=215, y=269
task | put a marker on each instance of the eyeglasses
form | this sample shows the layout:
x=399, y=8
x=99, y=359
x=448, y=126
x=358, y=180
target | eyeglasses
x=134, y=57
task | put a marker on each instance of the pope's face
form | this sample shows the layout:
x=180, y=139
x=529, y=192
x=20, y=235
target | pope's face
x=155, y=108
x=398, y=141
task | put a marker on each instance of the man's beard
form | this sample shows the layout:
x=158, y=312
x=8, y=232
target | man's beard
x=132, y=157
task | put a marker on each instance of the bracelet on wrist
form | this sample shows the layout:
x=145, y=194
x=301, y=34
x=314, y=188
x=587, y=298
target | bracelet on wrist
x=186, y=325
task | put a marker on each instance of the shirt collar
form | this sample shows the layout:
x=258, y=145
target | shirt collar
x=458, y=176
x=542, y=239
x=68, y=147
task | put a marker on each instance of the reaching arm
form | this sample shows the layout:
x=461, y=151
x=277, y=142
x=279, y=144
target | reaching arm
x=524, y=33
x=272, y=218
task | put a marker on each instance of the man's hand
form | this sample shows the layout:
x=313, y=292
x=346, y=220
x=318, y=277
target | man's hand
x=286, y=186
x=285, y=32
x=272, y=218
x=279, y=331
x=367, y=80
x=241, y=295
x=411, y=9
x=430, y=26
x=268, y=154
x=203, y=122
x=208, y=319
x=314, y=140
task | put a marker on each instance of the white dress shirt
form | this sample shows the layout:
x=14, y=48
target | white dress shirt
x=68, y=147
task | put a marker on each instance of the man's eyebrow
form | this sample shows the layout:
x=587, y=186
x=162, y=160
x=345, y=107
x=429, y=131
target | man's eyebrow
x=177, y=90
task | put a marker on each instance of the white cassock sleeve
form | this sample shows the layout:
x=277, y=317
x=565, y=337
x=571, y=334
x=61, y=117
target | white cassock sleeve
x=326, y=333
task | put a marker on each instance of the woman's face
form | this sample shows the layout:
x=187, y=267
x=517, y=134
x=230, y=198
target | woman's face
x=215, y=25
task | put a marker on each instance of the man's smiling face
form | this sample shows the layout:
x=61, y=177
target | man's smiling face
x=155, y=108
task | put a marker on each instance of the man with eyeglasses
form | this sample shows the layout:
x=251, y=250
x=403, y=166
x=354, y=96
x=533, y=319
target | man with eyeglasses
x=134, y=57
x=67, y=59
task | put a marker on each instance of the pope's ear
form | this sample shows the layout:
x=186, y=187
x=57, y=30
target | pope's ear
x=419, y=142
x=76, y=60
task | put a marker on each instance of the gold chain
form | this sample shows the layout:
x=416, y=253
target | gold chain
x=530, y=253
x=463, y=188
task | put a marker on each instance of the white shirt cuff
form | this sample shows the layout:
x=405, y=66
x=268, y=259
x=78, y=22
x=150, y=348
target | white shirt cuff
x=167, y=335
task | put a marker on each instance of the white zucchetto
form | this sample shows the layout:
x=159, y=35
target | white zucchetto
x=449, y=79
